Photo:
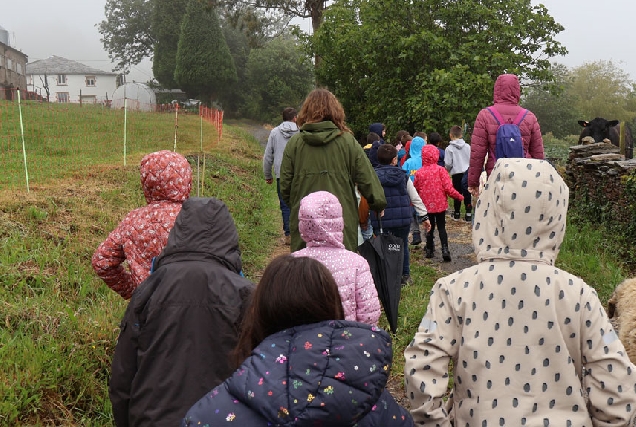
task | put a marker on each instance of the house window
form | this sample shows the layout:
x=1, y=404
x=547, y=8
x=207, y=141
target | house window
x=1, y=61
x=9, y=64
x=61, y=79
x=18, y=68
x=90, y=81
x=62, y=97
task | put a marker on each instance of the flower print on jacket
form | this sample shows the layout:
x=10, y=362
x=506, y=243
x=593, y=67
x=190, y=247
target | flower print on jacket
x=433, y=183
x=166, y=178
x=333, y=394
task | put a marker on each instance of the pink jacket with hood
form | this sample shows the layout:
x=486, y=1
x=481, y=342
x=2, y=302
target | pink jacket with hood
x=321, y=223
x=433, y=183
x=166, y=178
x=506, y=94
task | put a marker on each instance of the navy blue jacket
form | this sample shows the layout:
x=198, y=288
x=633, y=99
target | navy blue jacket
x=373, y=151
x=398, y=211
x=329, y=374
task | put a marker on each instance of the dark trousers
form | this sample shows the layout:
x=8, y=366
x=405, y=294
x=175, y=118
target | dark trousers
x=458, y=184
x=284, y=209
x=402, y=233
x=438, y=220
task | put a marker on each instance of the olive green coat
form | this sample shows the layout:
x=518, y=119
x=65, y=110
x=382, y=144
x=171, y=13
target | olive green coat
x=323, y=158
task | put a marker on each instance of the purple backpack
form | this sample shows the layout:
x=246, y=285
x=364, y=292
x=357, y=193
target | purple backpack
x=508, y=142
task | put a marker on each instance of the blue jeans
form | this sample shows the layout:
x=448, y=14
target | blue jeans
x=403, y=233
x=284, y=209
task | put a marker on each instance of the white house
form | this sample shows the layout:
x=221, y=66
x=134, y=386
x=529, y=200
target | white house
x=70, y=81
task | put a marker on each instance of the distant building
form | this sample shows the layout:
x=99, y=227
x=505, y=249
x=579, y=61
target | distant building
x=70, y=81
x=12, y=68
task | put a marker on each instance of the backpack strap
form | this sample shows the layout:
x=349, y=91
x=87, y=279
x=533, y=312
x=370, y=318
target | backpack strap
x=520, y=117
x=496, y=115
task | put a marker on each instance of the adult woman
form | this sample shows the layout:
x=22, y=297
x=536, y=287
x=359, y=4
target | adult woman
x=300, y=366
x=325, y=156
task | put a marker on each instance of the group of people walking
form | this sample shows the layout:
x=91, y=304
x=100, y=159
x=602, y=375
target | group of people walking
x=200, y=344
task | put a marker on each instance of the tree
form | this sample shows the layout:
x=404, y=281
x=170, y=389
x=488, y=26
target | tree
x=126, y=33
x=280, y=75
x=204, y=64
x=429, y=64
x=602, y=89
x=166, y=27
x=554, y=104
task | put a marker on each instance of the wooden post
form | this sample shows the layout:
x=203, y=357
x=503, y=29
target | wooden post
x=621, y=138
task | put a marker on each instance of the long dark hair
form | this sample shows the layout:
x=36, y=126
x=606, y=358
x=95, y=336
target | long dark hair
x=293, y=291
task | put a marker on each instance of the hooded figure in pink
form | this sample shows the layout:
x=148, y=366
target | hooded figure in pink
x=320, y=223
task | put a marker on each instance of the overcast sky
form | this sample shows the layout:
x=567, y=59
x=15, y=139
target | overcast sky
x=594, y=30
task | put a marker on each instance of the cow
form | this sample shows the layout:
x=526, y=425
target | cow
x=600, y=129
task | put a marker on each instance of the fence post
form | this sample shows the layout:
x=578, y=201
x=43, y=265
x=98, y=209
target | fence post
x=26, y=170
x=176, y=126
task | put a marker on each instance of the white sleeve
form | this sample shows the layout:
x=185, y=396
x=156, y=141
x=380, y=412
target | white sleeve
x=415, y=199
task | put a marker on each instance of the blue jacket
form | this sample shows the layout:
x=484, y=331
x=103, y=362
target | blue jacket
x=442, y=155
x=373, y=152
x=398, y=211
x=414, y=162
x=329, y=374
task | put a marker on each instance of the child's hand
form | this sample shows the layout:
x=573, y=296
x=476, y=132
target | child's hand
x=427, y=225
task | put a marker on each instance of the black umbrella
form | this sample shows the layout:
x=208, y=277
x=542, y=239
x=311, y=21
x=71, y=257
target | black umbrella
x=385, y=254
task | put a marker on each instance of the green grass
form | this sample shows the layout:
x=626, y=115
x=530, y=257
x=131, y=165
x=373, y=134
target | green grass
x=59, y=322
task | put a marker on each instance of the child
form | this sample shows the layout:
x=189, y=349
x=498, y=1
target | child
x=186, y=314
x=411, y=166
x=400, y=194
x=435, y=139
x=398, y=143
x=379, y=129
x=406, y=146
x=434, y=186
x=457, y=160
x=320, y=223
x=300, y=363
x=166, y=178
x=530, y=343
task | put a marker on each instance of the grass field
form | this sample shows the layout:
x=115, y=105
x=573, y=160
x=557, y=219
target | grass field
x=59, y=322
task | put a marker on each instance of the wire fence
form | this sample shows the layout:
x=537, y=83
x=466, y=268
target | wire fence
x=42, y=141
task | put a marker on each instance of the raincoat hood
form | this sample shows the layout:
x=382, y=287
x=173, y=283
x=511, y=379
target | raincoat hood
x=514, y=222
x=165, y=175
x=325, y=374
x=507, y=90
x=377, y=128
x=288, y=129
x=458, y=143
x=204, y=229
x=321, y=133
x=320, y=220
x=430, y=155
x=415, y=149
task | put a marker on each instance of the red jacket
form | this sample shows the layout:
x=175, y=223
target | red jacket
x=166, y=178
x=506, y=96
x=433, y=183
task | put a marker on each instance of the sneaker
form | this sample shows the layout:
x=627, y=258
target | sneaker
x=457, y=216
x=287, y=240
x=406, y=280
x=468, y=217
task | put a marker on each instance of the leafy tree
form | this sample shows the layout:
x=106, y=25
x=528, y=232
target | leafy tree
x=280, y=75
x=166, y=28
x=429, y=64
x=126, y=34
x=602, y=89
x=554, y=104
x=204, y=64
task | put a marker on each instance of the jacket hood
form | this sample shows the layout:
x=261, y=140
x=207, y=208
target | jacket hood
x=377, y=128
x=430, y=155
x=325, y=374
x=320, y=220
x=415, y=149
x=521, y=213
x=391, y=176
x=458, y=143
x=507, y=90
x=165, y=175
x=288, y=129
x=321, y=133
x=205, y=230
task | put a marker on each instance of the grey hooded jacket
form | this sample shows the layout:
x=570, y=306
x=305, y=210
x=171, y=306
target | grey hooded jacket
x=276, y=144
x=457, y=156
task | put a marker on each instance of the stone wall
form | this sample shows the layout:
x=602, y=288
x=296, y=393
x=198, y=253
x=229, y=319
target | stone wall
x=596, y=174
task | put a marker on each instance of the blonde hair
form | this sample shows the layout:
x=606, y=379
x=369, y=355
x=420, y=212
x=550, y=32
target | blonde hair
x=321, y=105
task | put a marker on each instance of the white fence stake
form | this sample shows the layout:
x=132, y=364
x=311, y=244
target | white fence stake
x=26, y=170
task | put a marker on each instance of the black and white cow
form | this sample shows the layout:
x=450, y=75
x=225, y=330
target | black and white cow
x=601, y=129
